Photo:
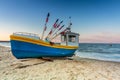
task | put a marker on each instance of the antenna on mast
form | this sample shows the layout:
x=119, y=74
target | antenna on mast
x=69, y=26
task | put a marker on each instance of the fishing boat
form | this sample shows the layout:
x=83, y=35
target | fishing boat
x=30, y=45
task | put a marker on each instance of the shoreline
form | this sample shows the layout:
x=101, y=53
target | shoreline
x=58, y=69
x=96, y=60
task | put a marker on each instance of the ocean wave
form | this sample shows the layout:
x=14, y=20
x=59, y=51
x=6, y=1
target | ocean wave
x=99, y=56
x=5, y=44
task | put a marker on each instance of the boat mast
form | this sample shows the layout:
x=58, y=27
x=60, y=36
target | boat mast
x=65, y=30
x=57, y=27
x=45, y=27
x=69, y=27
x=54, y=26
x=68, y=30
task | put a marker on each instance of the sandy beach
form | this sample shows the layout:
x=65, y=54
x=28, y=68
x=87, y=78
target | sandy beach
x=58, y=69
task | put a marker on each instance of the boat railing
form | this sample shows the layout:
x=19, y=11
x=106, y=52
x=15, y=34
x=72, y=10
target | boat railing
x=29, y=35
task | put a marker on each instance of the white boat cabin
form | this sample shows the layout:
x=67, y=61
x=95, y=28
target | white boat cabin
x=70, y=39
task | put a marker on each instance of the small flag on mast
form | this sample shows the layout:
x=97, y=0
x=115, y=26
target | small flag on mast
x=47, y=17
x=61, y=27
x=50, y=32
x=55, y=24
x=59, y=24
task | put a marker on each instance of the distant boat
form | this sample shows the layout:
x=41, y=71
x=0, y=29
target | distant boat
x=29, y=45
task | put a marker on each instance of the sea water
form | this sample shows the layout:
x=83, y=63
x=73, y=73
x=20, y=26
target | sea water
x=6, y=43
x=99, y=51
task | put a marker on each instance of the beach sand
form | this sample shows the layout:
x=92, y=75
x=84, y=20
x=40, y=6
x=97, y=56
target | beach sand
x=58, y=69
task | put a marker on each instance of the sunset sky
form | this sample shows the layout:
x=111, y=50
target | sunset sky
x=95, y=20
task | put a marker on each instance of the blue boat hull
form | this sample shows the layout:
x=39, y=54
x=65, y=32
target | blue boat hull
x=21, y=49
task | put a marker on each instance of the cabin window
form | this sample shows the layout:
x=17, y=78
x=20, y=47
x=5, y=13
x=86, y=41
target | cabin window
x=63, y=38
x=72, y=38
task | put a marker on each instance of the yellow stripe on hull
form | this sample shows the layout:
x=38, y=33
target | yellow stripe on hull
x=40, y=42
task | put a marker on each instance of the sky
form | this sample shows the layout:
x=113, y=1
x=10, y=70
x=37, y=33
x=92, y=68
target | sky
x=97, y=21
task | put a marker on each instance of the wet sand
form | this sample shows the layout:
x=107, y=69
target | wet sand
x=58, y=69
